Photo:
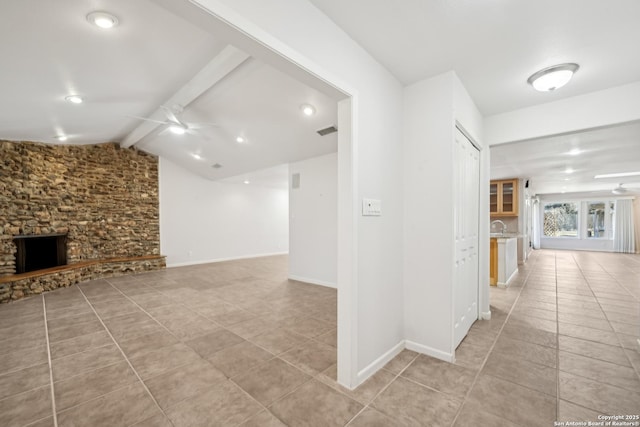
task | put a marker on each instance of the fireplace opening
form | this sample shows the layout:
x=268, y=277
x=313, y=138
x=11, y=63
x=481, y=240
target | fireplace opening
x=39, y=252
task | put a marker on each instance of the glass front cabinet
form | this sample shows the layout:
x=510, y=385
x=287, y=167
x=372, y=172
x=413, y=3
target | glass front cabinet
x=503, y=197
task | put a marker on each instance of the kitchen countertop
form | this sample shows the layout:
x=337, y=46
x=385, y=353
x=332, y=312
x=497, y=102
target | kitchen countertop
x=506, y=235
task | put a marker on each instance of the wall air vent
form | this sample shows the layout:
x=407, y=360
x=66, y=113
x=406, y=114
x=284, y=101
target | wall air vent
x=327, y=131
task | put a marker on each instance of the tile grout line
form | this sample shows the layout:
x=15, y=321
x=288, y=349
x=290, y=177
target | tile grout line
x=624, y=350
x=46, y=334
x=205, y=317
x=486, y=357
x=220, y=326
x=179, y=340
x=225, y=328
x=125, y=357
x=368, y=405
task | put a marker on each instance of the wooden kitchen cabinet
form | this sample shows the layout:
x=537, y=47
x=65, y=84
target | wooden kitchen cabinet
x=503, y=197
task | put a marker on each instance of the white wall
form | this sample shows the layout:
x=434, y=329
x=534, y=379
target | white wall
x=370, y=303
x=204, y=221
x=313, y=221
x=431, y=109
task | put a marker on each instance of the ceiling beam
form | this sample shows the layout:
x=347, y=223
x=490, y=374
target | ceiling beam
x=219, y=67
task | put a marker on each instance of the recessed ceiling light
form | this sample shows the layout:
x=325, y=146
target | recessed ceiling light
x=568, y=170
x=552, y=78
x=308, y=110
x=74, y=99
x=103, y=20
x=566, y=179
x=563, y=191
x=177, y=128
x=617, y=175
x=247, y=182
x=574, y=152
x=196, y=156
x=239, y=140
x=61, y=137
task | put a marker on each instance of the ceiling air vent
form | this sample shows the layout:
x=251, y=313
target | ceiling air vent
x=327, y=131
x=216, y=166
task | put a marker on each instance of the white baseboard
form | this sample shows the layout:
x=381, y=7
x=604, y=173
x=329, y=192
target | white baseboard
x=377, y=364
x=429, y=351
x=506, y=284
x=313, y=281
x=485, y=315
x=210, y=261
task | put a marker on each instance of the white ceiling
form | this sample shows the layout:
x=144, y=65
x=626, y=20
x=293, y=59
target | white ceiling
x=260, y=104
x=151, y=57
x=49, y=51
x=495, y=45
x=545, y=161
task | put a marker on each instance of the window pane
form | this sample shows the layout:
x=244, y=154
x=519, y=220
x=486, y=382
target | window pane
x=595, y=220
x=561, y=220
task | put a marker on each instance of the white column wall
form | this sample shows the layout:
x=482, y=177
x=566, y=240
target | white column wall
x=428, y=262
x=432, y=108
x=205, y=221
x=313, y=221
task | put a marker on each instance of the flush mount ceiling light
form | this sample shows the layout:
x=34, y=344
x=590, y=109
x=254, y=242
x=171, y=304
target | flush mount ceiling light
x=552, y=78
x=247, y=182
x=574, y=152
x=568, y=170
x=196, y=156
x=102, y=20
x=177, y=129
x=617, y=175
x=74, y=99
x=308, y=110
x=239, y=140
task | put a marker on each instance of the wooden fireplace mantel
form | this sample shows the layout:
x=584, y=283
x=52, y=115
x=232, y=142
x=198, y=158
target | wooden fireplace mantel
x=62, y=268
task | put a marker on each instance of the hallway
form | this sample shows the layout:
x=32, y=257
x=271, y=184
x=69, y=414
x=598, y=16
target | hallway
x=236, y=343
x=568, y=349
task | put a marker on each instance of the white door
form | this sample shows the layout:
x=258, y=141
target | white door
x=466, y=215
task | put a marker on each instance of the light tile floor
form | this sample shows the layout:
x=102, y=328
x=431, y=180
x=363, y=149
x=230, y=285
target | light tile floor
x=236, y=343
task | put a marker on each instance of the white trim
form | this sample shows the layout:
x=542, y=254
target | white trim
x=506, y=284
x=429, y=351
x=377, y=364
x=313, y=281
x=211, y=261
x=485, y=315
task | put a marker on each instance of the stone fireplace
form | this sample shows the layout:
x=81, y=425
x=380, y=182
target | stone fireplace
x=100, y=201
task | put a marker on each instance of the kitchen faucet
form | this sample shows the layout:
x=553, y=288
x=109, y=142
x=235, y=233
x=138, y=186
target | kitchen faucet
x=504, y=226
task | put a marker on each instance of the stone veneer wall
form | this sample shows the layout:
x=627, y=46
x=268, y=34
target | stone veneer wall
x=103, y=196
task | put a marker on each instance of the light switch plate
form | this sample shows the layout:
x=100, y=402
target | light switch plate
x=371, y=207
